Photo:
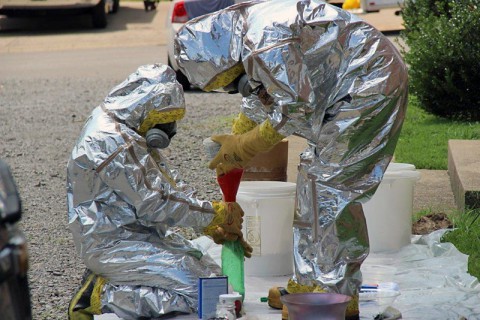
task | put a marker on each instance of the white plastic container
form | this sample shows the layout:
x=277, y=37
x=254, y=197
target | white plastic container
x=267, y=226
x=389, y=211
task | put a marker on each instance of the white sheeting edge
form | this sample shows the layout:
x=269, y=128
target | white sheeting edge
x=432, y=276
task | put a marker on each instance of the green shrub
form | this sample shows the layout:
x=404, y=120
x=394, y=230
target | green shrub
x=443, y=38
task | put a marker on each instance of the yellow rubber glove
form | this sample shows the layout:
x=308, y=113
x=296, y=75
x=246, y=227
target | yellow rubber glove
x=227, y=225
x=237, y=150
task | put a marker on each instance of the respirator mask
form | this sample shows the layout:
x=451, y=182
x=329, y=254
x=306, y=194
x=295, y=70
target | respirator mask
x=160, y=135
x=242, y=85
x=239, y=85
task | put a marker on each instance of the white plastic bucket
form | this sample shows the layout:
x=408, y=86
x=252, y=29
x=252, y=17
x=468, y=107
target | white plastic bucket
x=389, y=211
x=267, y=226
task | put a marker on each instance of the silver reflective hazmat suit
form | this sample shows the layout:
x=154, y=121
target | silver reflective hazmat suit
x=123, y=200
x=337, y=82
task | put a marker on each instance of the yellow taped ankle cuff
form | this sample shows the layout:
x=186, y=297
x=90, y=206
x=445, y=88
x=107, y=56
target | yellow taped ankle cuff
x=294, y=287
x=352, y=306
x=96, y=298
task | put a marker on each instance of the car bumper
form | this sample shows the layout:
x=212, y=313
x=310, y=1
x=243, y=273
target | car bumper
x=173, y=30
x=47, y=4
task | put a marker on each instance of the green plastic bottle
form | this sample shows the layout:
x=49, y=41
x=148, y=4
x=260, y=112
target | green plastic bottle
x=233, y=265
x=232, y=251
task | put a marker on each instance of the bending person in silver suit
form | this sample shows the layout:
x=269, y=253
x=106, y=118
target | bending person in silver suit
x=309, y=69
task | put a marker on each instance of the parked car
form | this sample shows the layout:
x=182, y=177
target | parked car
x=377, y=5
x=182, y=11
x=98, y=9
x=14, y=289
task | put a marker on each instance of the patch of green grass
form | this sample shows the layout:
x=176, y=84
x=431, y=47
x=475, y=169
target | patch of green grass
x=424, y=143
x=424, y=137
x=466, y=238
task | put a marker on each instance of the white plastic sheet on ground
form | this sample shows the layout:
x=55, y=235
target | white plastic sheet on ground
x=432, y=276
x=433, y=279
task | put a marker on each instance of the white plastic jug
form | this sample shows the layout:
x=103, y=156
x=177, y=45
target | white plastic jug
x=267, y=226
x=389, y=211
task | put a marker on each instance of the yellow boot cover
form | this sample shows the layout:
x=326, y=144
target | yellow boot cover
x=87, y=301
x=294, y=287
x=275, y=293
x=353, y=312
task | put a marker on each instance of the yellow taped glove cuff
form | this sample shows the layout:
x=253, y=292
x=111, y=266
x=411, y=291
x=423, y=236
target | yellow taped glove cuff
x=261, y=139
x=269, y=134
x=218, y=219
x=238, y=149
x=242, y=124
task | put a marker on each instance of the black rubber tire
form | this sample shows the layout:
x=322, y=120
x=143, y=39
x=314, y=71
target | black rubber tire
x=99, y=15
x=116, y=6
x=181, y=78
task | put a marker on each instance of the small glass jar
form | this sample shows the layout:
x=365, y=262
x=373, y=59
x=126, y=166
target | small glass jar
x=226, y=310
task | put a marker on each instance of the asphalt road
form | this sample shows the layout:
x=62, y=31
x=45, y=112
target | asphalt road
x=52, y=47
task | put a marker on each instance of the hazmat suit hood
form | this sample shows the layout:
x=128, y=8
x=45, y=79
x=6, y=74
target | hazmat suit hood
x=148, y=97
x=222, y=34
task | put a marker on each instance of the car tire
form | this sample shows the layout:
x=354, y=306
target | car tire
x=181, y=78
x=99, y=15
x=116, y=6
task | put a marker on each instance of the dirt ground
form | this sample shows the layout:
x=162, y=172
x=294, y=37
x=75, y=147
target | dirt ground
x=433, y=198
x=431, y=222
